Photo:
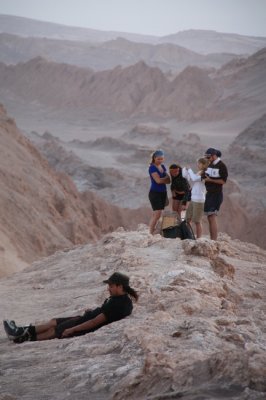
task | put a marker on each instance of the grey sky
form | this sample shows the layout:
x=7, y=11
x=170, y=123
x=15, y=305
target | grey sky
x=155, y=17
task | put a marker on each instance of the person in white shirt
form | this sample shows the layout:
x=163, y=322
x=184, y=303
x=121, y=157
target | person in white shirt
x=195, y=209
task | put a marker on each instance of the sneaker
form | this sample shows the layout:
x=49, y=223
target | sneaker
x=12, y=330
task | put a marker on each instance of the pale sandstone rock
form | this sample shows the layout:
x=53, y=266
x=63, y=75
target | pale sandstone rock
x=181, y=339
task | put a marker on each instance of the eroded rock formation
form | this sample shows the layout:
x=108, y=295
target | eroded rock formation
x=195, y=333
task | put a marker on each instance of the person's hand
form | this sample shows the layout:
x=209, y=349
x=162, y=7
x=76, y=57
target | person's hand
x=207, y=179
x=68, y=332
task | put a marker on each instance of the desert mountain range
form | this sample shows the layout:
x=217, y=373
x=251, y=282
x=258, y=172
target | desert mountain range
x=107, y=55
x=199, y=41
x=238, y=88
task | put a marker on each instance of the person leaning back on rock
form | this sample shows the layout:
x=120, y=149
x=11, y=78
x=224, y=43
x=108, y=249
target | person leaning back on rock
x=117, y=306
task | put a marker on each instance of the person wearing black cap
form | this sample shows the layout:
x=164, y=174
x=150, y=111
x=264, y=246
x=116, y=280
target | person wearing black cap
x=215, y=177
x=117, y=306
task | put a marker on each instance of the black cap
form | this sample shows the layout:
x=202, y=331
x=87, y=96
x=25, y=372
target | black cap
x=210, y=152
x=118, y=279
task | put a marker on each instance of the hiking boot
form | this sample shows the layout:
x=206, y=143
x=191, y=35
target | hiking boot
x=25, y=336
x=13, y=331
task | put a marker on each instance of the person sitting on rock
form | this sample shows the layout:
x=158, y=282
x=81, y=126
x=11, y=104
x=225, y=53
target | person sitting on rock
x=117, y=306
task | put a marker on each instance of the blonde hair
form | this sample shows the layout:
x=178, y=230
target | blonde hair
x=204, y=162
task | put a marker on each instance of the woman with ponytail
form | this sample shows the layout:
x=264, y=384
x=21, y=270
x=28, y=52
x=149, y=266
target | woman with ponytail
x=117, y=306
x=158, y=192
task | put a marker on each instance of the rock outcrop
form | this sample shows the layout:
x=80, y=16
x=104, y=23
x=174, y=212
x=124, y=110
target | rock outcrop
x=198, y=330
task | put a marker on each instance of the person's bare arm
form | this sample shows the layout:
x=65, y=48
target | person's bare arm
x=91, y=324
x=159, y=180
x=193, y=177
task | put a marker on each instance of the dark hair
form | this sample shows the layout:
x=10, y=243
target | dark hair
x=218, y=153
x=175, y=166
x=132, y=292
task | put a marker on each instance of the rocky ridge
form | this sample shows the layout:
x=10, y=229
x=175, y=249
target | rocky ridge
x=201, y=41
x=107, y=55
x=236, y=90
x=198, y=330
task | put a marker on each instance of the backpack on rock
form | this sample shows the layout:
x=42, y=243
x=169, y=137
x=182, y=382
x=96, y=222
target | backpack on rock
x=173, y=227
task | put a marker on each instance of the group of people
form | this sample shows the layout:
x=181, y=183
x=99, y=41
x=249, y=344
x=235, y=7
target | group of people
x=197, y=193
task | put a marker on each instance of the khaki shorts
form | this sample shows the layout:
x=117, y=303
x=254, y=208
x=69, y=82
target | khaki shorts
x=195, y=211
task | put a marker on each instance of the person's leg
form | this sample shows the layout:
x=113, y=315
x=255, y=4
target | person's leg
x=211, y=207
x=45, y=326
x=55, y=327
x=189, y=212
x=155, y=218
x=46, y=331
x=157, y=200
x=213, y=228
x=174, y=205
x=46, y=335
x=198, y=229
x=177, y=206
x=197, y=217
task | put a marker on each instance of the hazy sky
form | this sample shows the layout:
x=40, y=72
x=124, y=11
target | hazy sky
x=155, y=17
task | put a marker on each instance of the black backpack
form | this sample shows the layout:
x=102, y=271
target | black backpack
x=185, y=231
x=182, y=231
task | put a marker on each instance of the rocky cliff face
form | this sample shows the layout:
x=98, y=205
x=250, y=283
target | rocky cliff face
x=41, y=211
x=197, y=332
x=247, y=163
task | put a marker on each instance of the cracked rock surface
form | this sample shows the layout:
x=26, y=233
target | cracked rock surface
x=197, y=332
